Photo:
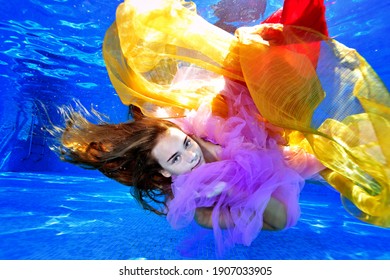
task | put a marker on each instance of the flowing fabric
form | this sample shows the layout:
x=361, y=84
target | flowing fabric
x=252, y=168
x=298, y=77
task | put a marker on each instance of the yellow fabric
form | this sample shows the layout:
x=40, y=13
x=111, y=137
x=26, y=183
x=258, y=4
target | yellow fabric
x=155, y=37
x=340, y=106
x=287, y=91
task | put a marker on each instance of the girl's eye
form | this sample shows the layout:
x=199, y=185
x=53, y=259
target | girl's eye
x=175, y=159
x=187, y=143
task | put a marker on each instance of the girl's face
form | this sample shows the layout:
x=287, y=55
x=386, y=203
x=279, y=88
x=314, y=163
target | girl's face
x=177, y=153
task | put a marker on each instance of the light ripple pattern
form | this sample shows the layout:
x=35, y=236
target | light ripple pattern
x=50, y=55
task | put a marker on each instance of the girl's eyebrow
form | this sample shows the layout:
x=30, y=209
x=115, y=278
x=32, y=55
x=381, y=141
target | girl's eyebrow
x=175, y=154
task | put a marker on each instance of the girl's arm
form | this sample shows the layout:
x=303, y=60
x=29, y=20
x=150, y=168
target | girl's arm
x=274, y=217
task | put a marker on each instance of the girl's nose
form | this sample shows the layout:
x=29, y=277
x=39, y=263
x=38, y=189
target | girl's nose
x=191, y=157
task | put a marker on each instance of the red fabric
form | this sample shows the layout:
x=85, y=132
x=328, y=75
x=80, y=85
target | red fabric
x=305, y=13
x=276, y=17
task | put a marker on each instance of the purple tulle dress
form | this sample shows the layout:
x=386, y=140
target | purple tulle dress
x=253, y=168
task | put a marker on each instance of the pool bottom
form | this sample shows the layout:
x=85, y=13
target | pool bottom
x=52, y=217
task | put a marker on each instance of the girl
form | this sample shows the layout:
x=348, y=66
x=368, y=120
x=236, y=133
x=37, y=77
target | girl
x=230, y=172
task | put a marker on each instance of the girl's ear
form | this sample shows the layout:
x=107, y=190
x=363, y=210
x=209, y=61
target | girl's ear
x=165, y=173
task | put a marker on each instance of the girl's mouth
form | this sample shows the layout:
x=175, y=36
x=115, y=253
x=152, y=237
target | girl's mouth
x=197, y=164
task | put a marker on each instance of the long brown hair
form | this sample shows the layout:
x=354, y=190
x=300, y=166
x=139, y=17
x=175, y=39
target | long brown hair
x=121, y=152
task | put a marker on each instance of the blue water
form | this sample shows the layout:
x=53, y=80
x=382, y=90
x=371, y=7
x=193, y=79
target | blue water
x=50, y=54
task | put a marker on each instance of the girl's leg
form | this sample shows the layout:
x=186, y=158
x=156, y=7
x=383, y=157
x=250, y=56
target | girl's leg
x=275, y=215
